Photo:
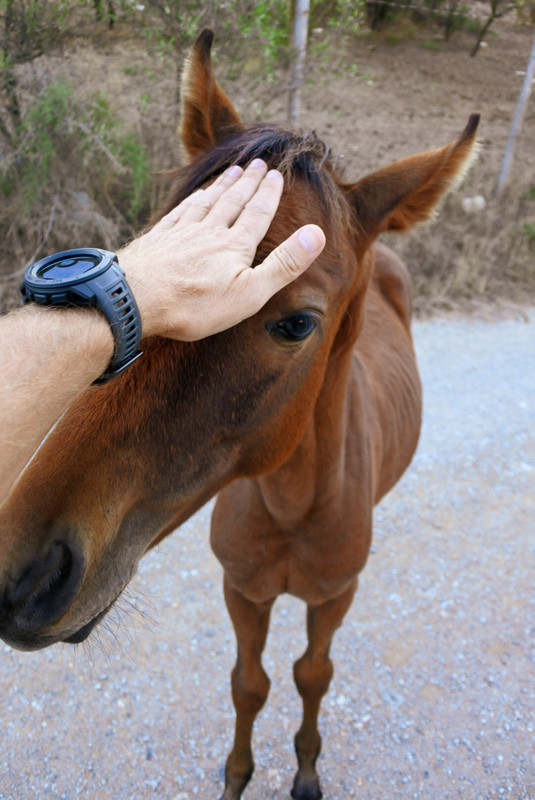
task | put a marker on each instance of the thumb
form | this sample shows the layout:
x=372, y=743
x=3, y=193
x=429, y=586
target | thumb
x=289, y=260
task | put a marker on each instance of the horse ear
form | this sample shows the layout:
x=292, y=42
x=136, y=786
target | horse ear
x=207, y=115
x=406, y=192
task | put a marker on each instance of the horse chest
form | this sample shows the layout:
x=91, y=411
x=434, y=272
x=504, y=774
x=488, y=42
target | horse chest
x=316, y=580
x=312, y=565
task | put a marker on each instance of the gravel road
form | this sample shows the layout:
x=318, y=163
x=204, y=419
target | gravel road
x=434, y=688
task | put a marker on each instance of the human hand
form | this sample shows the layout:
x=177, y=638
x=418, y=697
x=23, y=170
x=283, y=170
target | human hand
x=191, y=273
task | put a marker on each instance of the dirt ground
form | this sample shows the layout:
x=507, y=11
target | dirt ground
x=375, y=102
x=372, y=99
x=387, y=100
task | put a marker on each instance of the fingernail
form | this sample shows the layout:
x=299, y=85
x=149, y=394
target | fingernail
x=273, y=174
x=312, y=238
x=234, y=171
x=257, y=163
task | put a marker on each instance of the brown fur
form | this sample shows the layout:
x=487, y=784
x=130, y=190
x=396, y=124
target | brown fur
x=301, y=439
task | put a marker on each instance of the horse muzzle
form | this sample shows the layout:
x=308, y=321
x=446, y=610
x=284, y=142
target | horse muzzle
x=33, y=602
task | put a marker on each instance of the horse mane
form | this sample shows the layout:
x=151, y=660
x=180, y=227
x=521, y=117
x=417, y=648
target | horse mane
x=297, y=154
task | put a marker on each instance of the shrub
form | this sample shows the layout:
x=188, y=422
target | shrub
x=59, y=138
x=70, y=175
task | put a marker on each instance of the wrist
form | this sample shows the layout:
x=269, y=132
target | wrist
x=149, y=307
x=81, y=338
x=89, y=278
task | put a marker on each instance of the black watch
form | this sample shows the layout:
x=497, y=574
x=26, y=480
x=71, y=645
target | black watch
x=89, y=277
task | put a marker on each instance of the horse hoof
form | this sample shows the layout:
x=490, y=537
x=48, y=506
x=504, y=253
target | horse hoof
x=306, y=790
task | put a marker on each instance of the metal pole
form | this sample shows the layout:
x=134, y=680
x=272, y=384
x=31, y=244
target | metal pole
x=300, y=36
x=517, y=122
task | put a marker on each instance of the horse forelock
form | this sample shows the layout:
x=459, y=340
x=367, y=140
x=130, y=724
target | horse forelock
x=300, y=155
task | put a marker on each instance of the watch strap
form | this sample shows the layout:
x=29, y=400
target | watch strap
x=116, y=301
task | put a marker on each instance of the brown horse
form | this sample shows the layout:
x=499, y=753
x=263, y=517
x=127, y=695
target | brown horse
x=302, y=417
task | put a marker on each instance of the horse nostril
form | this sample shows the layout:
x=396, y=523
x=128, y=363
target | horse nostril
x=58, y=573
x=47, y=586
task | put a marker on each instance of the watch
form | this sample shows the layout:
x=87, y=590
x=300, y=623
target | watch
x=89, y=277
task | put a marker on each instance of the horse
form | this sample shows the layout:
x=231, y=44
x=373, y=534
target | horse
x=301, y=418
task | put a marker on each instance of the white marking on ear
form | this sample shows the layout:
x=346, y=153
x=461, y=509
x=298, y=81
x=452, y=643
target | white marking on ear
x=467, y=164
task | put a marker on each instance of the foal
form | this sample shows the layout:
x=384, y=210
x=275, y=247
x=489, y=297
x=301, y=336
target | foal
x=303, y=417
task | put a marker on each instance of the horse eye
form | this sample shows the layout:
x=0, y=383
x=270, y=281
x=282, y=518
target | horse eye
x=295, y=327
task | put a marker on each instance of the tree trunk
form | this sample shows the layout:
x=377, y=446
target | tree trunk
x=376, y=13
x=111, y=11
x=495, y=13
x=451, y=22
x=302, y=10
x=482, y=34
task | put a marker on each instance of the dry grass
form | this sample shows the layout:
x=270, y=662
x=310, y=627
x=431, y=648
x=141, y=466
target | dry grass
x=67, y=215
x=462, y=256
x=485, y=255
x=85, y=198
x=479, y=255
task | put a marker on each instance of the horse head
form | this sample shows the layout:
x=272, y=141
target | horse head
x=133, y=459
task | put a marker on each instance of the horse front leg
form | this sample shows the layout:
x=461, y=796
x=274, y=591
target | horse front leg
x=312, y=674
x=250, y=684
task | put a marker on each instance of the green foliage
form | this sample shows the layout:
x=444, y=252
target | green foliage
x=133, y=156
x=430, y=44
x=62, y=140
x=171, y=25
x=29, y=26
x=455, y=17
x=265, y=22
x=346, y=15
x=42, y=135
x=261, y=26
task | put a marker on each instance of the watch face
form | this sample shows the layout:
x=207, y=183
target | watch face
x=69, y=267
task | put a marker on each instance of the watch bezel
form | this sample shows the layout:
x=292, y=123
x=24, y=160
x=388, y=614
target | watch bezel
x=34, y=281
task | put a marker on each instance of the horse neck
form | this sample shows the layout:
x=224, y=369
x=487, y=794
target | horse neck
x=315, y=472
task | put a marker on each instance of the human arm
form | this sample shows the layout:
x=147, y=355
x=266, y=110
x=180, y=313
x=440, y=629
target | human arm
x=200, y=282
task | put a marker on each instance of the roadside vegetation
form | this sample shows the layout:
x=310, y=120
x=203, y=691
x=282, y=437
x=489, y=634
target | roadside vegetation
x=75, y=168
